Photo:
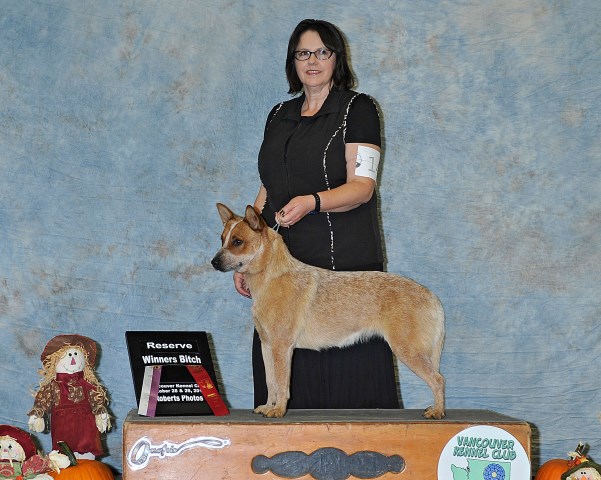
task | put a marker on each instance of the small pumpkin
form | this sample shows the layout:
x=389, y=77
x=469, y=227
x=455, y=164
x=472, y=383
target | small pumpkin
x=552, y=469
x=82, y=469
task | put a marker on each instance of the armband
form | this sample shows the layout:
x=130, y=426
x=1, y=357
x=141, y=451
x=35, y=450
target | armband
x=367, y=162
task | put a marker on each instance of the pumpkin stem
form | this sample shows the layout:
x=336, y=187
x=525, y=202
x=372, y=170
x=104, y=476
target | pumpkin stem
x=67, y=451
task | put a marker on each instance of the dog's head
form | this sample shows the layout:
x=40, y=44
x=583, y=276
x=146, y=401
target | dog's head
x=241, y=239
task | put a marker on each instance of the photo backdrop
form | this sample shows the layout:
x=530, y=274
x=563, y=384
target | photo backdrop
x=122, y=123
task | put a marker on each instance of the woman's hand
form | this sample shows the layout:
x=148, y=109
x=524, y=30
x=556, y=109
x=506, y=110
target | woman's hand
x=240, y=285
x=295, y=210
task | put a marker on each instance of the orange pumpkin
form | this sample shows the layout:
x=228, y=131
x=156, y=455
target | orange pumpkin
x=552, y=469
x=85, y=470
x=82, y=469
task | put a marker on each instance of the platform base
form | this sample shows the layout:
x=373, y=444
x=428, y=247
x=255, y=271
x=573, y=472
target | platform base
x=319, y=444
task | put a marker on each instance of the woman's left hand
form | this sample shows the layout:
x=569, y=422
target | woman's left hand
x=295, y=210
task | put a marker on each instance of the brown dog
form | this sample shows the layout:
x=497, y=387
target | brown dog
x=299, y=306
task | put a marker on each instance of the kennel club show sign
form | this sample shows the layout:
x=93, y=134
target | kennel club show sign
x=484, y=452
x=173, y=374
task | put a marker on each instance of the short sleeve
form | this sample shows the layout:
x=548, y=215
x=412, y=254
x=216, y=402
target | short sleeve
x=363, y=122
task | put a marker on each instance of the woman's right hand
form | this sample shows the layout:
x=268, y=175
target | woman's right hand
x=240, y=285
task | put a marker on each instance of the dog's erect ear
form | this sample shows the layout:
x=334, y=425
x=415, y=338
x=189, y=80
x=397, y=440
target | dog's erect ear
x=254, y=219
x=225, y=213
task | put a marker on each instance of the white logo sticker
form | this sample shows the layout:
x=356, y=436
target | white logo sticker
x=140, y=453
x=485, y=453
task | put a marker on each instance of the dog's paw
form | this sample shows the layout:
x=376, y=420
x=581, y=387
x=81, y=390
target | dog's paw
x=275, y=412
x=270, y=411
x=261, y=409
x=433, y=413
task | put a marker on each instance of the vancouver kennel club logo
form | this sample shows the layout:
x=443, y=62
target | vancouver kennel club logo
x=483, y=453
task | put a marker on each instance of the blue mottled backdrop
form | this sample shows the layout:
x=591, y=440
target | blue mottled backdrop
x=123, y=122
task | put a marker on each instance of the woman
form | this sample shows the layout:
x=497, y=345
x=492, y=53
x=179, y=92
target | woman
x=318, y=168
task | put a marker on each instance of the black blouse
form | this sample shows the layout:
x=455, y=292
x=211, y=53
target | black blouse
x=303, y=155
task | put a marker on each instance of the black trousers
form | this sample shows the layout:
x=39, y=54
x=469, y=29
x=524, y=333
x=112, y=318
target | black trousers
x=359, y=376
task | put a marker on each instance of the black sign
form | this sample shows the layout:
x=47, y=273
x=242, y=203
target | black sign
x=163, y=357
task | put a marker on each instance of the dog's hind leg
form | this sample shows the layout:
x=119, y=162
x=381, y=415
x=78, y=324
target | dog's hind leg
x=436, y=382
x=426, y=368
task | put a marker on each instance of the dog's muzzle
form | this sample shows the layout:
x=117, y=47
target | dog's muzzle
x=217, y=263
x=222, y=263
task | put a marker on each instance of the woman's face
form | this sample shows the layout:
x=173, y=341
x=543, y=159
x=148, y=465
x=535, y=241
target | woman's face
x=314, y=74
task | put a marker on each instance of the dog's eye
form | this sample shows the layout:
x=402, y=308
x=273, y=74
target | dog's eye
x=236, y=242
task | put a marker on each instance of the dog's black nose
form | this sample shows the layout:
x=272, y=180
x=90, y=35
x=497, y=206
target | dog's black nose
x=216, y=263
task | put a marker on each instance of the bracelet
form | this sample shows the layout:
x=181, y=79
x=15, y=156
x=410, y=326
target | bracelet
x=317, y=208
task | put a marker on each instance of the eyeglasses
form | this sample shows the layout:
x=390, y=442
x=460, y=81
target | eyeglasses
x=320, y=54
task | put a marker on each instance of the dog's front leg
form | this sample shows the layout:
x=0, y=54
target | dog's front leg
x=269, y=379
x=278, y=363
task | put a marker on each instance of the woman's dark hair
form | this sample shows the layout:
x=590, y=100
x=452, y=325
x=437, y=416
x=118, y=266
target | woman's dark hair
x=332, y=39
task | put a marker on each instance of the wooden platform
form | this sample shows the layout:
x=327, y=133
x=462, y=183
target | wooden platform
x=320, y=444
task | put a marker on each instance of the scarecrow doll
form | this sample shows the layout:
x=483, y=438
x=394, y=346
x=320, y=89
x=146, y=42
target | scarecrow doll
x=19, y=458
x=585, y=469
x=71, y=396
